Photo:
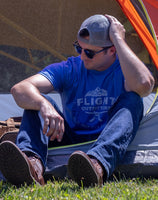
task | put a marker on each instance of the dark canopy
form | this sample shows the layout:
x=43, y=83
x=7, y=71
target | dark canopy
x=35, y=33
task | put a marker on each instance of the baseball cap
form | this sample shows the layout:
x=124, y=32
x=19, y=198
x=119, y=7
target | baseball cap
x=98, y=29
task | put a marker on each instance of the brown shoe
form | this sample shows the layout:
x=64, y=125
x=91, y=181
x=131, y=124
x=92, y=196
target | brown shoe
x=36, y=169
x=85, y=170
x=17, y=168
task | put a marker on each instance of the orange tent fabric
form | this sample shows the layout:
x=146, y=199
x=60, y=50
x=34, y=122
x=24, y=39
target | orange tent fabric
x=148, y=36
x=152, y=8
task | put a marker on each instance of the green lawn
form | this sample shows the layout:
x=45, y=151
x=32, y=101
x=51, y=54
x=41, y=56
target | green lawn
x=66, y=189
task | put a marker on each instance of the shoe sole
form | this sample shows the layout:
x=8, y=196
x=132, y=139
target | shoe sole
x=13, y=164
x=81, y=170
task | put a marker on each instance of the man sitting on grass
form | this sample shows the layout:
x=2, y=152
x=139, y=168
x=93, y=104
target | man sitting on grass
x=101, y=92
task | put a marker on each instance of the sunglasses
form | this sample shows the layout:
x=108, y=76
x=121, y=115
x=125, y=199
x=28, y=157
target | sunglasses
x=89, y=53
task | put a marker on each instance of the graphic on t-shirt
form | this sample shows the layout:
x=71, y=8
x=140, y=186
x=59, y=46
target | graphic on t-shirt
x=96, y=102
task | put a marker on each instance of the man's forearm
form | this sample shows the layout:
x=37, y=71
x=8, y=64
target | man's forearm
x=27, y=96
x=137, y=76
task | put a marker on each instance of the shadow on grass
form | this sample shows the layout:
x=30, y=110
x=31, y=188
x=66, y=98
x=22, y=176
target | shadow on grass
x=65, y=185
x=119, y=177
x=4, y=187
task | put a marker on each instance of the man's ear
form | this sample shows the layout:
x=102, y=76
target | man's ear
x=112, y=50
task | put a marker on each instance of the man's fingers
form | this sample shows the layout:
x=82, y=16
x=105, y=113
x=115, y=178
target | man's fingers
x=46, y=125
x=60, y=136
x=52, y=128
x=116, y=28
x=53, y=125
x=61, y=133
x=56, y=129
x=111, y=18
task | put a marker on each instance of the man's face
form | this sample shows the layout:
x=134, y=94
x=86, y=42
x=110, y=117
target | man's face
x=100, y=61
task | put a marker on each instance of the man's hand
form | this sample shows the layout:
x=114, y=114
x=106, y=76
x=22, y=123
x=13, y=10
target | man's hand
x=116, y=29
x=27, y=95
x=53, y=122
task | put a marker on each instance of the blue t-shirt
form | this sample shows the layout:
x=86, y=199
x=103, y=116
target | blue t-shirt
x=86, y=95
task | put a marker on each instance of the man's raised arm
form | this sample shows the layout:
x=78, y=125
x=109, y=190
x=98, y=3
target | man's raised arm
x=137, y=76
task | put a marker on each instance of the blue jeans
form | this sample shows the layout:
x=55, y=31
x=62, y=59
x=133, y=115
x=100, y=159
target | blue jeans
x=111, y=143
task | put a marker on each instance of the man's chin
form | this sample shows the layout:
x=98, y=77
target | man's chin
x=87, y=65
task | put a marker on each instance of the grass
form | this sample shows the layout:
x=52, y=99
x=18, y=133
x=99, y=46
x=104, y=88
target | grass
x=68, y=190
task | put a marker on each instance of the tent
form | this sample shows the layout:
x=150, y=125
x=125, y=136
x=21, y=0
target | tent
x=36, y=33
x=143, y=16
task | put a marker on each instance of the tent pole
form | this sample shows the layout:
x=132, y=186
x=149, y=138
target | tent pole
x=19, y=60
x=31, y=37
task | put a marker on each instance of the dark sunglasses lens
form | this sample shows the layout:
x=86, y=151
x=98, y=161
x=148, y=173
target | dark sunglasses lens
x=90, y=54
x=78, y=49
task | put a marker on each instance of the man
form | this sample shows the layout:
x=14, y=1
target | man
x=101, y=94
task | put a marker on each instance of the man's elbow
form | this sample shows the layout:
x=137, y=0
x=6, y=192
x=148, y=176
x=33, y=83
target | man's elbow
x=146, y=87
x=14, y=90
